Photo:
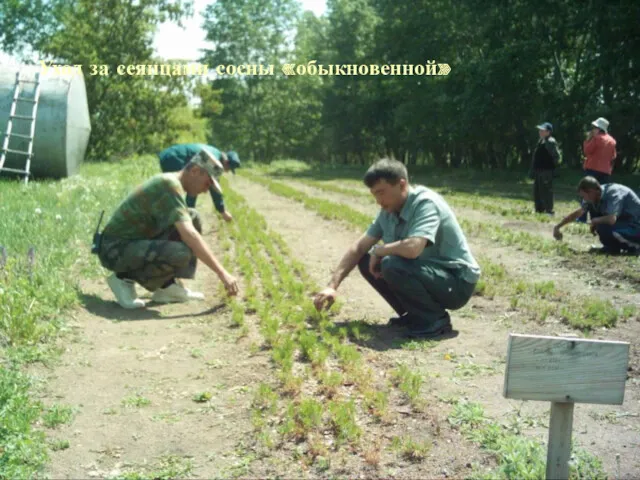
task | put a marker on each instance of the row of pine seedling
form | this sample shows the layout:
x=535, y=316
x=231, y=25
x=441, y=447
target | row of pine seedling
x=325, y=392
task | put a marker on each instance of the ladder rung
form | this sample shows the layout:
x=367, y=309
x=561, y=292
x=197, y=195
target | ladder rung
x=19, y=152
x=19, y=135
x=25, y=99
x=14, y=170
x=22, y=117
x=22, y=80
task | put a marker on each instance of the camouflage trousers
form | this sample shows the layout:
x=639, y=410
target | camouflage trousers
x=151, y=262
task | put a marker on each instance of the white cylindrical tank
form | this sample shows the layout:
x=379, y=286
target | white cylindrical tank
x=62, y=125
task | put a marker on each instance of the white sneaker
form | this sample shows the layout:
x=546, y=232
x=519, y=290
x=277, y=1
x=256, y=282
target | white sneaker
x=175, y=293
x=125, y=292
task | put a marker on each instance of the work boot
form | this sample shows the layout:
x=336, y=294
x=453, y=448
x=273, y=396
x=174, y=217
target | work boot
x=602, y=250
x=175, y=293
x=401, y=321
x=418, y=328
x=125, y=292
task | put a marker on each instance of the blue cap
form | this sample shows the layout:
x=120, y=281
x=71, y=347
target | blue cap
x=234, y=160
x=545, y=126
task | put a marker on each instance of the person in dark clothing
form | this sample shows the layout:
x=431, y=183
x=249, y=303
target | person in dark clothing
x=546, y=158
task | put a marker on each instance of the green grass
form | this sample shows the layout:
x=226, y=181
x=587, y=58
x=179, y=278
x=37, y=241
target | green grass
x=470, y=369
x=293, y=331
x=343, y=421
x=58, y=445
x=409, y=383
x=202, y=397
x=136, y=401
x=412, y=450
x=24, y=449
x=265, y=399
x=57, y=415
x=377, y=402
x=57, y=219
x=302, y=419
x=517, y=456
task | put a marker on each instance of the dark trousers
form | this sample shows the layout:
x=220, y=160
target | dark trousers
x=619, y=236
x=423, y=291
x=600, y=176
x=543, y=191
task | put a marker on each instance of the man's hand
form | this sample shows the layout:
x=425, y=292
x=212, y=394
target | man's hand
x=230, y=284
x=325, y=298
x=593, y=230
x=374, y=266
x=227, y=216
x=557, y=234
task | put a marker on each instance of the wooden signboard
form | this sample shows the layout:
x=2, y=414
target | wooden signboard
x=564, y=371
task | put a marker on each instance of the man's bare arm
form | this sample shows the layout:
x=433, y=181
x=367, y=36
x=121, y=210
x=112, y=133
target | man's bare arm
x=572, y=217
x=410, y=248
x=196, y=243
x=351, y=258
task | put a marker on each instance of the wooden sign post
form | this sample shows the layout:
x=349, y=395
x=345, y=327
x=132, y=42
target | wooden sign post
x=564, y=371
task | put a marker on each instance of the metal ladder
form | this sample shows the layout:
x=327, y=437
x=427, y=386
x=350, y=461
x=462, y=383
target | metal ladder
x=31, y=118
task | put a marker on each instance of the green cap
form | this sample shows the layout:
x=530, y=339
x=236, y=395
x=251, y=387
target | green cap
x=211, y=165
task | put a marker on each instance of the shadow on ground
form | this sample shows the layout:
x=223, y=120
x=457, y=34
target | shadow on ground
x=112, y=311
x=383, y=337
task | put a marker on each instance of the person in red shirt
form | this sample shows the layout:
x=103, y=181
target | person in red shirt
x=600, y=150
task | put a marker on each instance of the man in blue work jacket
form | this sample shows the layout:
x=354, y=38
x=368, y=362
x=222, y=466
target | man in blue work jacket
x=174, y=158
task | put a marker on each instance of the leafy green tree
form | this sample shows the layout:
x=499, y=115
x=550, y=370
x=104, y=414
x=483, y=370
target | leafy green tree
x=25, y=23
x=251, y=32
x=129, y=114
x=348, y=106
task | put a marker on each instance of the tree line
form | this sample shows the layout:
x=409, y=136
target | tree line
x=513, y=65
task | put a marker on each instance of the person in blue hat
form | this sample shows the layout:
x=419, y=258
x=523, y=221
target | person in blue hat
x=546, y=158
x=175, y=157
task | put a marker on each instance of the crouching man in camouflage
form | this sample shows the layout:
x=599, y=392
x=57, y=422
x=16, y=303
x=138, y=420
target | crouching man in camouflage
x=153, y=238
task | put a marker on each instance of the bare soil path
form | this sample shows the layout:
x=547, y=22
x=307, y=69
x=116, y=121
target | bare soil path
x=162, y=389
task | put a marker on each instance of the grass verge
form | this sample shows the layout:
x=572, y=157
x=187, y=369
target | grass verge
x=517, y=456
x=57, y=219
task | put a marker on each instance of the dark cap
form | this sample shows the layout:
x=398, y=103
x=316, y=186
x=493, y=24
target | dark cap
x=545, y=126
x=234, y=160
